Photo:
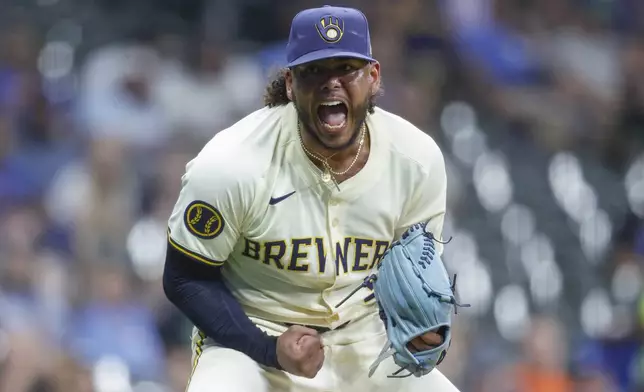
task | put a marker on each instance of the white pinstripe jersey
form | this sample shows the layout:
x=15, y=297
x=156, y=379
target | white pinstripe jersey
x=291, y=245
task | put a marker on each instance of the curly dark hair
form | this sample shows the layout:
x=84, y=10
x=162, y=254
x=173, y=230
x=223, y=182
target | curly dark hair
x=275, y=92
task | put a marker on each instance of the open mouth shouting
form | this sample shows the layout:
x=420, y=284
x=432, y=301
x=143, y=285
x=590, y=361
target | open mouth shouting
x=333, y=116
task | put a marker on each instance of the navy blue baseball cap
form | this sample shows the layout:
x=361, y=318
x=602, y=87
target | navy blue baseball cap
x=328, y=32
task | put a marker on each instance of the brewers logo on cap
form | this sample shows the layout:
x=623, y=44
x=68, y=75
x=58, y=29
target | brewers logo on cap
x=203, y=220
x=330, y=28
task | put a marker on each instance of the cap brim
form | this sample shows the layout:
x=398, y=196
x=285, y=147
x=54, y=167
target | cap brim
x=327, y=54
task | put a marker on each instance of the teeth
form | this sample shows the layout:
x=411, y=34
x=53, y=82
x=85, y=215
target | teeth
x=335, y=126
x=331, y=103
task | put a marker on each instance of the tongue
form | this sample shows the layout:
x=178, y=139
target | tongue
x=332, y=115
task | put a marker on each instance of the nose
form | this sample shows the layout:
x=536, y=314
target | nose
x=331, y=83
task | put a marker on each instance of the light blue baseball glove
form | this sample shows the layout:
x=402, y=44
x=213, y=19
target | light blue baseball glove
x=415, y=296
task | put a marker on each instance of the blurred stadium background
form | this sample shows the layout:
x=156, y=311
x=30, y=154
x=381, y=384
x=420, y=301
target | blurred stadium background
x=537, y=104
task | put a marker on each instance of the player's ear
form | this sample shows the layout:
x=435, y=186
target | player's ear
x=288, y=79
x=374, y=77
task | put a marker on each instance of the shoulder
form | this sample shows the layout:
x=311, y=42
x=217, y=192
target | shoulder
x=407, y=142
x=241, y=153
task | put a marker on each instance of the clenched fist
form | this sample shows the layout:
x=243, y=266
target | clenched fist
x=300, y=351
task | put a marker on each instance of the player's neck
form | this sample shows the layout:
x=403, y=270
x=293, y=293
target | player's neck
x=348, y=161
x=337, y=158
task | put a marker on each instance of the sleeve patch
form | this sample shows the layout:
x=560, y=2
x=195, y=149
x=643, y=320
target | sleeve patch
x=203, y=220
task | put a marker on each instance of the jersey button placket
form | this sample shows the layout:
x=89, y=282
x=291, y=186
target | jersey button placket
x=333, y=212
x=333, y=209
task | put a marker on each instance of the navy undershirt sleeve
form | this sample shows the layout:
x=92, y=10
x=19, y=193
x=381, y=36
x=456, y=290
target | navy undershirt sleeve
x=199, y=292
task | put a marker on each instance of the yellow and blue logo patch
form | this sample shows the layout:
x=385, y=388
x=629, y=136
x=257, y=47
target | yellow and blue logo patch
x=203, y=220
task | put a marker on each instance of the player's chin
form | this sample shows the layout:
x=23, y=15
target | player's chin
x=334, y=136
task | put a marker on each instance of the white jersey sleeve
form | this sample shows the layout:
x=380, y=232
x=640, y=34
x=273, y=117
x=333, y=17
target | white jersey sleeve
x=428, y=199
x=207, y=218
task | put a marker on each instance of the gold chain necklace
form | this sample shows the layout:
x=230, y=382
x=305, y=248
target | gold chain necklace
x=328, y=170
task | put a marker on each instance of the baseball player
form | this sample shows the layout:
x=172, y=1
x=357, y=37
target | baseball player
x=286, y=212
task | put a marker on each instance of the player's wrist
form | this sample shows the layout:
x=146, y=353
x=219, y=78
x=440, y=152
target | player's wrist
x=270, y=353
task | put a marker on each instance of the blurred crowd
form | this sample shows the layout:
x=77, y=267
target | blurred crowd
x=537, y=104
